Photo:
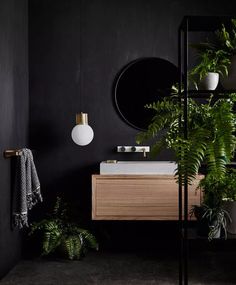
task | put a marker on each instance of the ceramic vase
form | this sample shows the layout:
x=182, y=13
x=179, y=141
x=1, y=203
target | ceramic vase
x=210, y=81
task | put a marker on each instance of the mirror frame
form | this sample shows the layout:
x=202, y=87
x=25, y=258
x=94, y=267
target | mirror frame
x=118, y=78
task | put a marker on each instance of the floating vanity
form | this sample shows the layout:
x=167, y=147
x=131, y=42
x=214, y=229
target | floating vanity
x=119, y=196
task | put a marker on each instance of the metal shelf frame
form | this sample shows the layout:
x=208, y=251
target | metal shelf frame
x=191, y=24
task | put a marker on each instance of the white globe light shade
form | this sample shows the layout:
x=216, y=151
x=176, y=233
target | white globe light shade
x=82, y=134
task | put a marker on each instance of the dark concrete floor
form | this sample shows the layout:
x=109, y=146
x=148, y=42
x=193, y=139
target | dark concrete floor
x=128, y=268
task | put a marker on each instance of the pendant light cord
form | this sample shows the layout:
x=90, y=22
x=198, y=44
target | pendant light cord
x=80, y=57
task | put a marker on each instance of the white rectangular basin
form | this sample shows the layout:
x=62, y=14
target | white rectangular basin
x=138, y=167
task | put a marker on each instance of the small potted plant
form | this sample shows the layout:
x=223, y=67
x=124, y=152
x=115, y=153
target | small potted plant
x=211, y=220
x=205, y=75
x=211, y=214
x=62, y=235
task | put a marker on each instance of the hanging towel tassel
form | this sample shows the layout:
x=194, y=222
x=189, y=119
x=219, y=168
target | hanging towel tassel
x=27, y=188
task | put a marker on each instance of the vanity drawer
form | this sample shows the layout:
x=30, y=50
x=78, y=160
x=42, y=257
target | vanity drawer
x=136, y=197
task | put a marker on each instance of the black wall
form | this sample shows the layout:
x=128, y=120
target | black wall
x=66, y=50
x=13, y=114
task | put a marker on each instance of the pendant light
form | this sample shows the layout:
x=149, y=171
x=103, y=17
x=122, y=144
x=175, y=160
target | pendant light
x=82, y=134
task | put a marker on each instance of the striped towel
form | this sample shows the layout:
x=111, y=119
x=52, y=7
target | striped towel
x=27, y=188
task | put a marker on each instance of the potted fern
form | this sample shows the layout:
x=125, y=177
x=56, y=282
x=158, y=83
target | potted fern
x=211, y=140
x=61, y=235
x=211, y=134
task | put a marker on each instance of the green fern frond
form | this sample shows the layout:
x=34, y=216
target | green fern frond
x=89, y=239
x=69, y=247
x=158, y=146
x=73, y=246
x=211, y=135
x=167, y=112
x=57, y=206
x=51, y=237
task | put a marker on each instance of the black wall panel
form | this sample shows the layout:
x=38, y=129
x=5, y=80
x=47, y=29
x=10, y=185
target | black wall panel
x=76, y=50
x=13, y=115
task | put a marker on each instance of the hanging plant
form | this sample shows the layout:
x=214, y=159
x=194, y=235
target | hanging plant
x=211, y=134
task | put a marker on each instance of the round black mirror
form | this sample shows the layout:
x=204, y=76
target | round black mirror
x=141, y=82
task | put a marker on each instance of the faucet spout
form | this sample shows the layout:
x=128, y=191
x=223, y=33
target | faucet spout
x=144, y=152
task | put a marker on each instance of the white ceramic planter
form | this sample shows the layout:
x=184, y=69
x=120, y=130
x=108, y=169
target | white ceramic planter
x=229, y=82
x=230, y=207
x=210, y=81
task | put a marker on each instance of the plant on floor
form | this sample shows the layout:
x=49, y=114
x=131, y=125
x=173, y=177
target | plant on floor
x=219, y=206
x=212, y=211
x=211, y=134
x=59, y=233
x=216, y=218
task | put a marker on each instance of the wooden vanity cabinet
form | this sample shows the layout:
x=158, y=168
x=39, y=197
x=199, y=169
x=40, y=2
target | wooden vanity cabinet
x=138, y=197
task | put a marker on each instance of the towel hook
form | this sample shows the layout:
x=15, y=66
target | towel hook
x=11, y=153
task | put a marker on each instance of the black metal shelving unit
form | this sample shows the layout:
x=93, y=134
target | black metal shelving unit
x=191, y=24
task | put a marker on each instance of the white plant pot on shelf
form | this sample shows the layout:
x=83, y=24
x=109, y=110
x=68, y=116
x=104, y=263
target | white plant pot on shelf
x=210, y=81
x=229, y=82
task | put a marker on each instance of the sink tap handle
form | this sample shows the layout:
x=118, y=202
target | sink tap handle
x=122, y=149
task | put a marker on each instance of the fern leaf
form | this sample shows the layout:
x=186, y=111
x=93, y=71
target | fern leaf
x=51, y=238
x=89, y=239
x=69, y=247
